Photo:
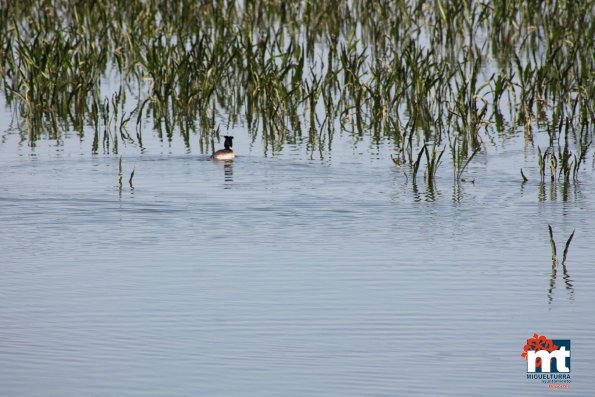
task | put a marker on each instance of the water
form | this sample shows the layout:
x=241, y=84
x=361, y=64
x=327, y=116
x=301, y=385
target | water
x=285, y=274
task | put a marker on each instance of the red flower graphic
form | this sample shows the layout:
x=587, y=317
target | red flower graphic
x=537, y=343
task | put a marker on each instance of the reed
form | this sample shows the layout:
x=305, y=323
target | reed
x=553, y=246
x=553, y=275
x=410, y=72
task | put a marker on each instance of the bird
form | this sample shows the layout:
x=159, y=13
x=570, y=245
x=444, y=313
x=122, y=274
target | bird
x=227, y=153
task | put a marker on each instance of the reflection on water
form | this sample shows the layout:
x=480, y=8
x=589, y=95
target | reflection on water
x=568, y=191
x=430, y=194
x=228, y=172
x=568, y=283
x=458, y=192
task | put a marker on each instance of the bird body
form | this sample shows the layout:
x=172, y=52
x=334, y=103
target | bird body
x=225, y=154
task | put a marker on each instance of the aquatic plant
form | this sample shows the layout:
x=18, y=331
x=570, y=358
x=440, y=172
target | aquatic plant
x=553, y=245
x=553, y=276
x=411, y=72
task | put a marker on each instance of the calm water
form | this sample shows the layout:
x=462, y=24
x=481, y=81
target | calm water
x=286, y=274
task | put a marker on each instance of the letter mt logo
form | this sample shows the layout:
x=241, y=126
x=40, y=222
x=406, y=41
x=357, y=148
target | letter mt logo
x=548, y=360
x=539, y=352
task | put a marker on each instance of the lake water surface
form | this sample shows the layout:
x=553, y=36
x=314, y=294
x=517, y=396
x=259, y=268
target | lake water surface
x=287, y=274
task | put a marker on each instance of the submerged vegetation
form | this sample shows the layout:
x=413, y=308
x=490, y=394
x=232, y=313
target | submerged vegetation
x=428, y=76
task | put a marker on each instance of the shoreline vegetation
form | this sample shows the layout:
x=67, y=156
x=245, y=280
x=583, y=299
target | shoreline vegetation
x=432, y=77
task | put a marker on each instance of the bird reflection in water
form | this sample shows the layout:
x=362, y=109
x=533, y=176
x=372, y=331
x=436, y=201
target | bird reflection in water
x=228, y=174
